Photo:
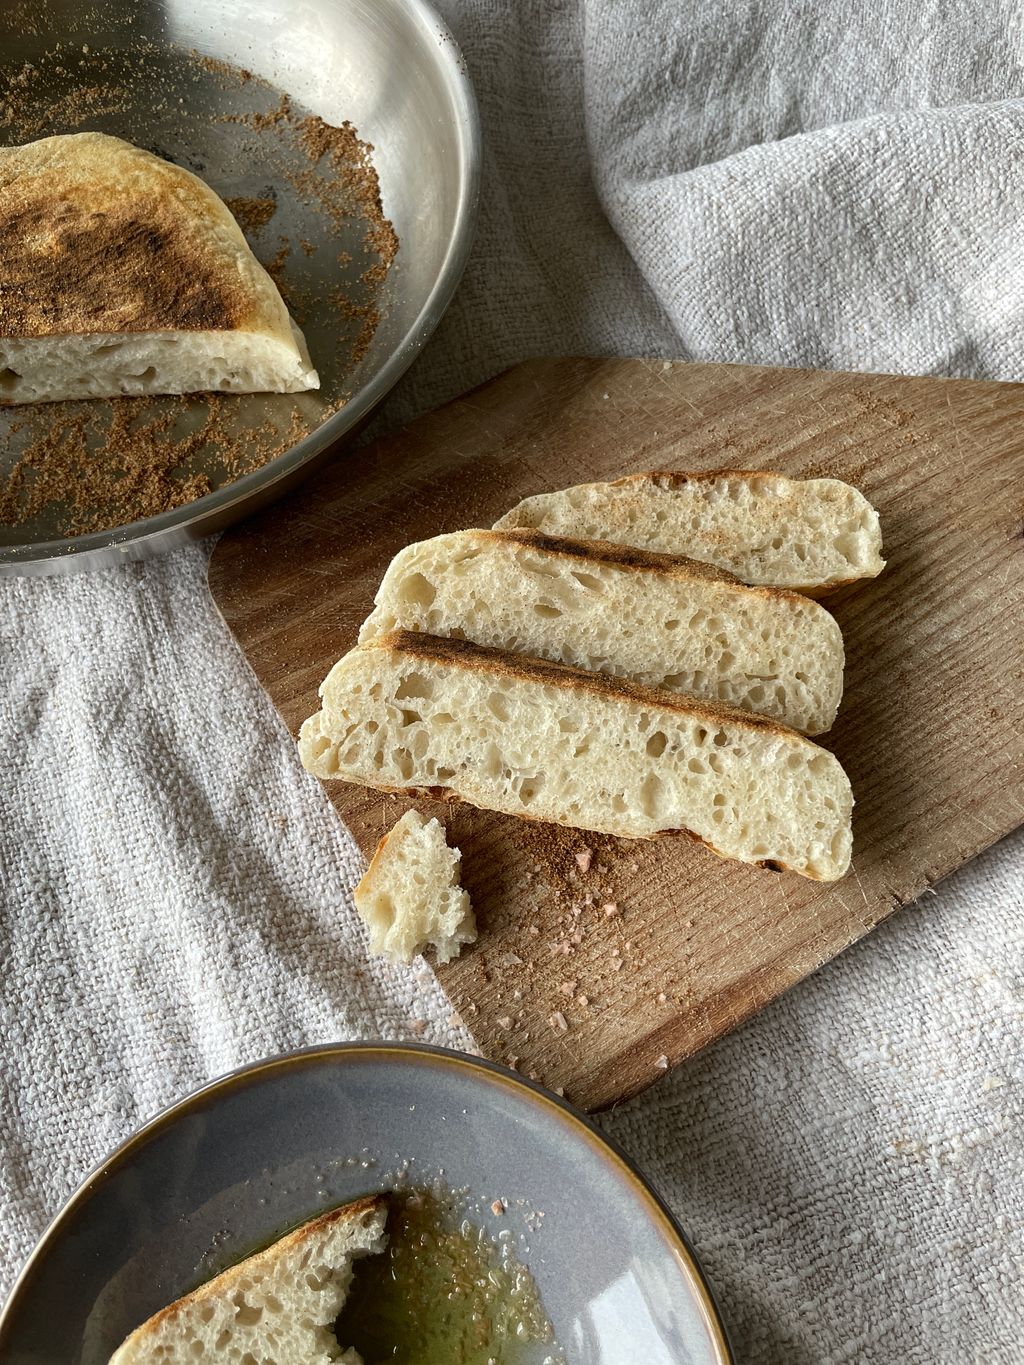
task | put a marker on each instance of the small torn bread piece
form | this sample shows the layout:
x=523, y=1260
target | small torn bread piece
x=811, y=535
x=661, y=620
x=527, y=737
x=122, y=274
x=410, y=897
x=277, y=1307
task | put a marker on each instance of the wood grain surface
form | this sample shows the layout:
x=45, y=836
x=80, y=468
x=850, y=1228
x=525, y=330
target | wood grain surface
x=931, y=730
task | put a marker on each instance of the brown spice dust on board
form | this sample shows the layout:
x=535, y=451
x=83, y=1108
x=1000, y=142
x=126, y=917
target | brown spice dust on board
x=570, y=949
x=553, y=849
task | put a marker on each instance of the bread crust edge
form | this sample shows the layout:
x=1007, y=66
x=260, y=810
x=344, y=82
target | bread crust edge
x=346, y=1213
x=503, y=663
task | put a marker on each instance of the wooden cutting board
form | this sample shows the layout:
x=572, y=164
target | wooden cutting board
x=931, y=729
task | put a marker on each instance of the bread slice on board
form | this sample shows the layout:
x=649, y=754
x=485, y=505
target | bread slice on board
x=533, y=738
x=660, y=620
x=410, y=897
x=811, y=535
x=277, y=1306
x=123, y=274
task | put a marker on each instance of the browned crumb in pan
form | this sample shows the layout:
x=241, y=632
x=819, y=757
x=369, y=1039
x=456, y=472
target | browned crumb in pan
x=342, y=160
x=117, y=463
x=69, y=111
x=251, y=213
x=260, y=121
x=367, y=315
x=236, y=75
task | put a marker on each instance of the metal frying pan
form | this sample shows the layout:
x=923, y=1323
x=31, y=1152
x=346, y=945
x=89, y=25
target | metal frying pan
x=201, y=83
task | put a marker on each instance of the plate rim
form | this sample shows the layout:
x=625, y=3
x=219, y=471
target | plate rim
x=428, y=1054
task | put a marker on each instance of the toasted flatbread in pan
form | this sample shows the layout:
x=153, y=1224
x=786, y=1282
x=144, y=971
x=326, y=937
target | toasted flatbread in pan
x=121, y=273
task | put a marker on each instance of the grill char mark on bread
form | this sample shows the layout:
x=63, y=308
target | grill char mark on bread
x=617, y=556
x=811, y=535
x=661, y=620
x=506, y=664
x=537, y=739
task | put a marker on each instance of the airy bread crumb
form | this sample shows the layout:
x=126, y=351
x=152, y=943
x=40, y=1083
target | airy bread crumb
x=809, y=534
x=410, y=897
x=528, y=737
x=658, y=619
x=277, y=1307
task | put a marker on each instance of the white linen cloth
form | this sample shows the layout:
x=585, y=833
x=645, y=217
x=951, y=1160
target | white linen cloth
x=837, y=184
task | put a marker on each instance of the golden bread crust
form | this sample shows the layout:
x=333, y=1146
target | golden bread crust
x=219, y=1284
x=98, y=236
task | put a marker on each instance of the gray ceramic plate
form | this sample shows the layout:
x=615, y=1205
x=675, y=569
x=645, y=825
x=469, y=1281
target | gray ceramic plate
x=252, y=1154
